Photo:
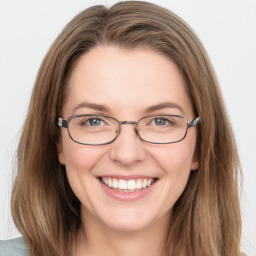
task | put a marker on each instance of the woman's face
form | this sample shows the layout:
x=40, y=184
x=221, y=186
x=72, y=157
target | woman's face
x=127, y=85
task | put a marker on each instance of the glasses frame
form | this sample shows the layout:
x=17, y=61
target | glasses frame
x=65, y=124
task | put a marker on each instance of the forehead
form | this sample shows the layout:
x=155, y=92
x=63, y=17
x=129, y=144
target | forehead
x=126, y=80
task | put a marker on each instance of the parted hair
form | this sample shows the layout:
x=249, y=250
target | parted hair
x=206, y=218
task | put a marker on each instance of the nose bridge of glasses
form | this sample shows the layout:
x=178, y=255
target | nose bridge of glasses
x=128, y=122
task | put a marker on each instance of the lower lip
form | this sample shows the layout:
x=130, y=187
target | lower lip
x=127, y=196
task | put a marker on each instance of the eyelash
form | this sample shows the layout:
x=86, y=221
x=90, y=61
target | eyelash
x=168, y=121
x=92, y=119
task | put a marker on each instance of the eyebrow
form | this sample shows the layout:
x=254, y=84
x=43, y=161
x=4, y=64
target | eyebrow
x=163, y=106
x=103, y=108
x=94, y=106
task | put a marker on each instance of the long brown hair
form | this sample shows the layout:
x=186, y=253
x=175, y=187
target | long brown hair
x=206, y=218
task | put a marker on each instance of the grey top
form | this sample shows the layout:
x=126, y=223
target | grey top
x=17, y=247
x=14, y=247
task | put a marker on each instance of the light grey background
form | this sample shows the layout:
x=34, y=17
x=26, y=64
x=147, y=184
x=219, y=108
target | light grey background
x=226, y=27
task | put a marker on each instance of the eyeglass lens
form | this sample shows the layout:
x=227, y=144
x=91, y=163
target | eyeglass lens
x=96, y=130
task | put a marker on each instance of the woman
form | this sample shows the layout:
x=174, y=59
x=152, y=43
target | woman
x=127, y=148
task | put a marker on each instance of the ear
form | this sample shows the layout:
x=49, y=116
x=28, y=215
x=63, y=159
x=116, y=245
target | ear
x=195, y=162
x=194, y=165
x=60, y=154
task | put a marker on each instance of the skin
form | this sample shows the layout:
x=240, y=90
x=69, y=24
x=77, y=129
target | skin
x=126, y=83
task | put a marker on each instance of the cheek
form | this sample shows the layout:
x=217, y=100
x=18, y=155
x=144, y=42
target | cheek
x=175, y=158
x=80, y=161
x=77, y=157
x=175, y=161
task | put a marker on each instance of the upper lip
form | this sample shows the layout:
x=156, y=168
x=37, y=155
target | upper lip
x=127, y=177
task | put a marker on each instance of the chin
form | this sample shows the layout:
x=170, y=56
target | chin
x=123, y=225
x=131, y=220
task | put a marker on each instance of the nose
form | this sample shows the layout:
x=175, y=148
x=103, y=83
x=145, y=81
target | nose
x=127, y=149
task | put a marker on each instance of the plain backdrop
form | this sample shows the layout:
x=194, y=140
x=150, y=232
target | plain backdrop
x=227, y=28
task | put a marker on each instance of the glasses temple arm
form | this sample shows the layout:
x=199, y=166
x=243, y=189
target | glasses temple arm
x=61, y=122
x=194, y=122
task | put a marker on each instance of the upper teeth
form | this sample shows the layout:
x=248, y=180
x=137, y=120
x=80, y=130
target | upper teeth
x=127, y=185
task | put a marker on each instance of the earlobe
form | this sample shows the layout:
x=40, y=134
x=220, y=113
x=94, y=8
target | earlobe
x=60, y=154
x=194, y=165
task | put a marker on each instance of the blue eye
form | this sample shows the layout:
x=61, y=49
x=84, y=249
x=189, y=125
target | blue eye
x=94, y=122
x=160, y=121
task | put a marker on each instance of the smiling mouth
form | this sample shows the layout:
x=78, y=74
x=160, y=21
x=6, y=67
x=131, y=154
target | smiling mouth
x=127, y=185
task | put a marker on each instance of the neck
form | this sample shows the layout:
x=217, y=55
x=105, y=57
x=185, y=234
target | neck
x=97, y=239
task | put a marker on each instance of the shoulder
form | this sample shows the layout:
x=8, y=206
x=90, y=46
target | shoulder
x=14, y=247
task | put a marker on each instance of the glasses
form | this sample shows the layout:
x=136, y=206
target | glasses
x=103, y=129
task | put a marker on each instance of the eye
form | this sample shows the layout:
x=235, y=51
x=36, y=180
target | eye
x=95, y=121
x=161, y=121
